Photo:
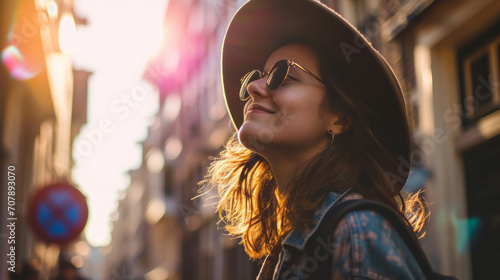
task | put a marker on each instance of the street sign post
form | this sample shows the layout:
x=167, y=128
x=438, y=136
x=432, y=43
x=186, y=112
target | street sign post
x=58, y=213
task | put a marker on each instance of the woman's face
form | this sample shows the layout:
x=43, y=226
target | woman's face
x=289, y=120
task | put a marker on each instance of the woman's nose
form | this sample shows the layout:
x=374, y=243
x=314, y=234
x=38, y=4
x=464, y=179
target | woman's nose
x=258, y=88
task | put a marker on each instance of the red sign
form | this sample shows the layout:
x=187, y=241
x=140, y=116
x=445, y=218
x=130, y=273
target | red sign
x=58, y=213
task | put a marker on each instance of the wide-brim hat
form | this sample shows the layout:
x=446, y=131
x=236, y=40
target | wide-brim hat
x=260, y=27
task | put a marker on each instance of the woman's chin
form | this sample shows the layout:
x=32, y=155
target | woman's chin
x=249, y=137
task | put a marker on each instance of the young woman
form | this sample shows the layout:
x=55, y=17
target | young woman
x=321, y=118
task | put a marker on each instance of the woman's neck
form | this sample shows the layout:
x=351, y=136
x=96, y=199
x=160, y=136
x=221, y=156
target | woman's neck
x=286, y=163
x=283, y=171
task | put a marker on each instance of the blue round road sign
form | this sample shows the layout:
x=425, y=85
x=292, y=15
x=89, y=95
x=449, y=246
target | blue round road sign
x=58, y=213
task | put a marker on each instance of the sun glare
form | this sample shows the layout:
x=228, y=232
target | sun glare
x=67, y=34
x=116, y=47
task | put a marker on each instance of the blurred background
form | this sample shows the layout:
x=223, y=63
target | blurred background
x=122, y=100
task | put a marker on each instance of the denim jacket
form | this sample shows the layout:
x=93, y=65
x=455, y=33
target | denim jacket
x=364, y=246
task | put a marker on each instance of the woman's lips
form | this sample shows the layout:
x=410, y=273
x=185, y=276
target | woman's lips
x=256, y=108
x=258, y=111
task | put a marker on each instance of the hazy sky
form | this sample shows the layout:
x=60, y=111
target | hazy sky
x=116, y=44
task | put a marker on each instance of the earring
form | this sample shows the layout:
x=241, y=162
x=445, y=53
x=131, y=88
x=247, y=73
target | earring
x=333, y=135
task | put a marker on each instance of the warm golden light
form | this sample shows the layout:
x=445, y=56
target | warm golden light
x=172, y=106
x=52, y=9
x=173, y=147
x=155, y=211
x=77, y=261
x=157, y=273
x=82, y=248
x=155, y=161
x=67, y=34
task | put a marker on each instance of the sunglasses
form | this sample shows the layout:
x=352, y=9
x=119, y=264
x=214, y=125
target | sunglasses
x=275, y=77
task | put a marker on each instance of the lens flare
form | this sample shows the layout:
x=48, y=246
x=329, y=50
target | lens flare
x=23, y=54
x=17, y=65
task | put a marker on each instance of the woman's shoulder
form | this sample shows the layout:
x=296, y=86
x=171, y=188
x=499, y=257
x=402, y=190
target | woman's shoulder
x=363, y=223
x=364, y=220
x=372, y=247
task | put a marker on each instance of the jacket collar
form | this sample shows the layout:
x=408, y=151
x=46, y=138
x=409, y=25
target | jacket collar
x=299, y=235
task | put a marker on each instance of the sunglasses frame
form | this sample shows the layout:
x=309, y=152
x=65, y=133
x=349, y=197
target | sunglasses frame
x=245, y=81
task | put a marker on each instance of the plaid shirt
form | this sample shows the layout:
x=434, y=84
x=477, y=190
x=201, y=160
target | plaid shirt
x=364, y=246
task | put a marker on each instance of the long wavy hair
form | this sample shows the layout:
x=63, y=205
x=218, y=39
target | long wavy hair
x=250, y=206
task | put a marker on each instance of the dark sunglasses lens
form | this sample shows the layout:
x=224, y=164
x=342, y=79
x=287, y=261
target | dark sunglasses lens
x=277, y=74
x=250, y=77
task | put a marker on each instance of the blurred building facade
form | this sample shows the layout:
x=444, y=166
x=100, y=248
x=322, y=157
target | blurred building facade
x=173, y=234
x=42, y=107
x=446, y=54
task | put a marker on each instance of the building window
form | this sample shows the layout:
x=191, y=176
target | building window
x=480, y=77
x=482, y=172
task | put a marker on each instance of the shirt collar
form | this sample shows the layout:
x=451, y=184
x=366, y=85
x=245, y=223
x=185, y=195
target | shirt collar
x=299, y=235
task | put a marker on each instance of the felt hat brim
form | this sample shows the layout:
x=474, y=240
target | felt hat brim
x=260, y=27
